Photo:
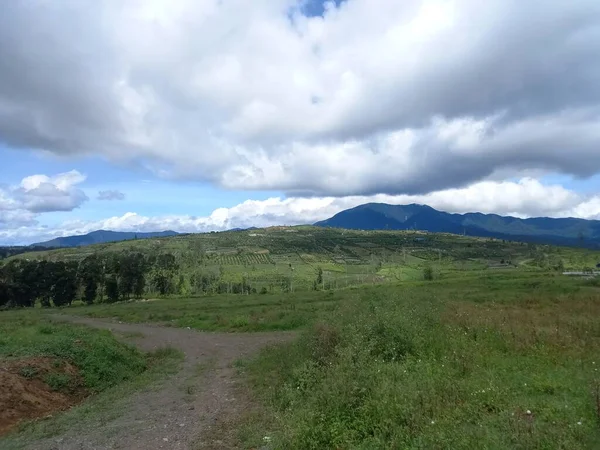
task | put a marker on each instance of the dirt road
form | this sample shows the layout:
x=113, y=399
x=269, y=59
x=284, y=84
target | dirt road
x=195, y=409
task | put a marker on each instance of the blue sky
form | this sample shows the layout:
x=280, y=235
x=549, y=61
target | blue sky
x=145, y=193
x=201, y=116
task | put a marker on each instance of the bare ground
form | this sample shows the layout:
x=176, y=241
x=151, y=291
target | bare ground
x=198, y=408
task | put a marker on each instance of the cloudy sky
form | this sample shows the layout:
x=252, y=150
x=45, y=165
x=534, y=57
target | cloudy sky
x=198, y=115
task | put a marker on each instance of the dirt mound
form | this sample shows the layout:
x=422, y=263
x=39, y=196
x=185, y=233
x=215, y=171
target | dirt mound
x=31, y=388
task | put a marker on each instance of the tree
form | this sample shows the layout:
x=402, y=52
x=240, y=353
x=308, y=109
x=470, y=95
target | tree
x=45, y=279
x=4, y=294
x=162, y=283
x=112, y=289
x=91, y=275
x=131, y=274
x=21, y=283
x=64, y=283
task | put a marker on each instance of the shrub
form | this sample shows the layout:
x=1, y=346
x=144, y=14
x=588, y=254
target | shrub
x=58, y=381
x=428, y=273
x=325, y=339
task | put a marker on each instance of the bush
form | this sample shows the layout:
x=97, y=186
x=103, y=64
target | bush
x=325, y=339
x=428, y=273
x=58, y=381
x=388, y=342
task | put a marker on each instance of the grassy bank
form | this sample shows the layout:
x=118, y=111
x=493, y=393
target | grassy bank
x=107, y=371
x=102, y=360
x=496, y=363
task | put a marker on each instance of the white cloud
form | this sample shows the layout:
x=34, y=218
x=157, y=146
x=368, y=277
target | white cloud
x=374, y=97
x=38, y=194
x=525, y=198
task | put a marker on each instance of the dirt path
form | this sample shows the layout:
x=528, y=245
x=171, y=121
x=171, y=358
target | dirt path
x=194, y=409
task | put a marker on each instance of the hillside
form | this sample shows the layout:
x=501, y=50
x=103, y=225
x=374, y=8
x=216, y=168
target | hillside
x=381, y=216
x=289, y=258
x=99, y=237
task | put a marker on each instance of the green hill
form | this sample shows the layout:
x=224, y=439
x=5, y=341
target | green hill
x=290, y=258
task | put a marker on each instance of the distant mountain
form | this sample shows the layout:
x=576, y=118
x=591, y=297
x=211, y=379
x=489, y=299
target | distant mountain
x=381, y=216
x=100, y=237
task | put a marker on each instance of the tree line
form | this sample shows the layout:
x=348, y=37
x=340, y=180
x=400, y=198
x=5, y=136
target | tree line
x=105, y=278
x=97, y=278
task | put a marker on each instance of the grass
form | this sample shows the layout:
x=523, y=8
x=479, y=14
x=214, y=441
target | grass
x=486, y=354
x=110, y=370
x=502, y=363
x=102, y=360
x=225, y=312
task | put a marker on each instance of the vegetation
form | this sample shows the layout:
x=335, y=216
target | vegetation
x=408, y=340
x=102, y=360
x=274, y=260
x=106, y=367
x=6, y=252
x=503, y=362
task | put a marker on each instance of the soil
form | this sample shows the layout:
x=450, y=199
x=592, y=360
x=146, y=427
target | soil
x=25, y=395
x=198, y=408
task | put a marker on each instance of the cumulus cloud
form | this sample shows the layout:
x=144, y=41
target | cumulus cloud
x=110, y=195
x=371, y=97
x=525, y=198
x=37, y=194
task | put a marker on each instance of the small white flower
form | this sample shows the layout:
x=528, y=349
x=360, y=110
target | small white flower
x=579, y=423
x=528, y=412
x=267, y=438
x=432, y=422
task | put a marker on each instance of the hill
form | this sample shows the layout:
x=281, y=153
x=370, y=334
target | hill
x=281, y=259
x=381, y=216
x=101, y=237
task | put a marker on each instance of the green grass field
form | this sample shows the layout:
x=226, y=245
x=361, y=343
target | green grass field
x=499, y=350
x=496, y=363
x=453, y=363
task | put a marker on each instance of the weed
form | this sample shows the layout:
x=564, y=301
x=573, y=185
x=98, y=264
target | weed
x=58, y=381
x=28, y=371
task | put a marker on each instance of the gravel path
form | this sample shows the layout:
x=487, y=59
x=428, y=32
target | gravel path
x=194, y=409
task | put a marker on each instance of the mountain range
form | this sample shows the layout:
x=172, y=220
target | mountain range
x=381, y=216
x=101, y=236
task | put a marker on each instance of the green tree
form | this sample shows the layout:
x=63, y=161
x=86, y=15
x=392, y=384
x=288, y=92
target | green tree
x=112, y=289
x=64, y=283
x=91, y=276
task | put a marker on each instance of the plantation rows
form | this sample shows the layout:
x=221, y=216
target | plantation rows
x=244, y=260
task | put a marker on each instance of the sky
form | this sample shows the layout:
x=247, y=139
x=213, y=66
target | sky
x=202, y=115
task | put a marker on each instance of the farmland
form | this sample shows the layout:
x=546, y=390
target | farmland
x=404, y=339
x=287, y=259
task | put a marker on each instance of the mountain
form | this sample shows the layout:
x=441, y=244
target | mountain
x=101, y=236
x=381, y=216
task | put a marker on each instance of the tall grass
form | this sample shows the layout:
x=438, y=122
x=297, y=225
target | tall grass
x=426, y=367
